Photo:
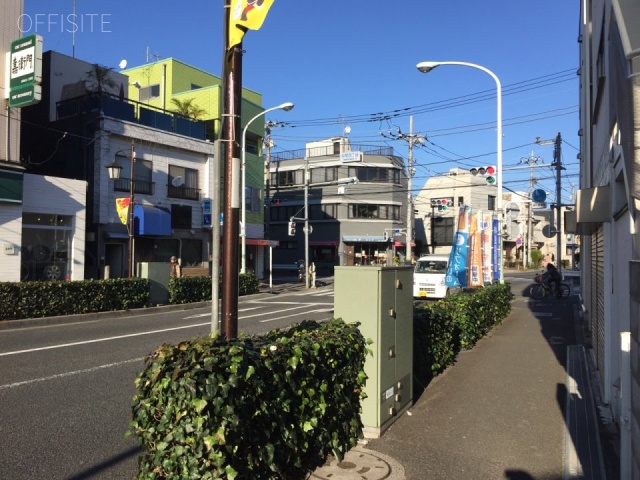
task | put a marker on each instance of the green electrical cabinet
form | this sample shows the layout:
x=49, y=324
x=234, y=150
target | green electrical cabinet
x=381, y=300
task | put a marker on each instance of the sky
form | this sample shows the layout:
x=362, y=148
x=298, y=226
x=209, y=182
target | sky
x=353, y=63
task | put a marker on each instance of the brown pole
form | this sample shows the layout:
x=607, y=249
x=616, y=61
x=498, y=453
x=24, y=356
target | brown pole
x=232, y=63
x=131, y=212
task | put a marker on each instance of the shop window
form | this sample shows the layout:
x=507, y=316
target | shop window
x=46, y=247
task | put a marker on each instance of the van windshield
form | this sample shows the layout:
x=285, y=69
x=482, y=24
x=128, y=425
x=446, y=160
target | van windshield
x=431, y=266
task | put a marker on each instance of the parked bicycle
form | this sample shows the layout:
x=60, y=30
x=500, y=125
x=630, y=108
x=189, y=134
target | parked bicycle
x=541, y=289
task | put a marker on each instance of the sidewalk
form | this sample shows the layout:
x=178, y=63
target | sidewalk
x=519, y=405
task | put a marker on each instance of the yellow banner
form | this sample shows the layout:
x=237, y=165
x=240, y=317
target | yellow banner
x=122, y=207
x=246, y=15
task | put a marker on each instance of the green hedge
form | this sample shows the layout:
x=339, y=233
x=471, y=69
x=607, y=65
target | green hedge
x=198, y=288
x=443, y=328
x=51, y=299
x=48, y=299
x=272, y=406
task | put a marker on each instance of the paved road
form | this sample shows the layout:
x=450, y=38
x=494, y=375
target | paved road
x=66, y=389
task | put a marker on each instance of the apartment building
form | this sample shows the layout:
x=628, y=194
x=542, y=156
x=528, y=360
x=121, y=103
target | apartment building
x=355, y=200
x=84, y=123
x=607, y=207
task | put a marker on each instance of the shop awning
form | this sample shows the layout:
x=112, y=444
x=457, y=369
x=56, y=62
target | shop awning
x=323, y=243
x=402, y=244
x=363, y=238
x=152, y=221
x=261, y=242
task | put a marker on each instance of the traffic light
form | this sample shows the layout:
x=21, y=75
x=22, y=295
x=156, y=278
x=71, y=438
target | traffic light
x=292, y=229
x=489, y=172
x=442, y=207
x=385, y=236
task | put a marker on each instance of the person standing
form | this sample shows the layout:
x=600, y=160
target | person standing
x=176, y=270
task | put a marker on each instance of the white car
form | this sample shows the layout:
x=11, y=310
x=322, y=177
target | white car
x=428, y=276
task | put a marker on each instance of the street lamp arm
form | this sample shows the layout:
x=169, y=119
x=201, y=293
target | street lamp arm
x=243, y=229
x=426, y=67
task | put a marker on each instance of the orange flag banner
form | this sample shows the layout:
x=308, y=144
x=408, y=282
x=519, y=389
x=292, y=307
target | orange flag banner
x=246, y=15
x=122, y=207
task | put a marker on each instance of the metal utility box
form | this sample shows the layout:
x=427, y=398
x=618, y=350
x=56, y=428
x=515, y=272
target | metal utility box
x=158, y=275
x=381, y=300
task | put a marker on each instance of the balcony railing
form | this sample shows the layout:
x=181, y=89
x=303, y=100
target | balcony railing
x=186, y=193
x=139, y=186
x=131, y=111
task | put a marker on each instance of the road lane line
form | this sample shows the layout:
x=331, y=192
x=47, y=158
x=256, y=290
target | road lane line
x=69, y=374
x=106, y=339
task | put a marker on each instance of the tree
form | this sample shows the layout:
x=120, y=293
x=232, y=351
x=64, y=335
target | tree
x=536, y=258
x=188, y=108
x=100, y=79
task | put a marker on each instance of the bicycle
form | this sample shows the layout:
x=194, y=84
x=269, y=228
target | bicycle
x=541, y=289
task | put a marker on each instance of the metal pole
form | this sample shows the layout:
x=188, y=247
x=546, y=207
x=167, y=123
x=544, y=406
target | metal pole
x=215, y=240
x=426, y=67
x=306, y=222
x=131, y=201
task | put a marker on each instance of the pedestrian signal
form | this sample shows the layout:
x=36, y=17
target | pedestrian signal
x=292, y=229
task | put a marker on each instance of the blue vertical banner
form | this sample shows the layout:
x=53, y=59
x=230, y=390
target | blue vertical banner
x=457, y=268
x=495, y=249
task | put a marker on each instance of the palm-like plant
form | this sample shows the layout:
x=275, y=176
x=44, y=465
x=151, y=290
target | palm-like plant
x=188, y=108
x=100, y=79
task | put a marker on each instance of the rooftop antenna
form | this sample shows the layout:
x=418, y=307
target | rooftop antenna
x=73, y=31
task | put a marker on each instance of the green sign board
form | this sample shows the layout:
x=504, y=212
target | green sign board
x=10, y=186
x=25, y=71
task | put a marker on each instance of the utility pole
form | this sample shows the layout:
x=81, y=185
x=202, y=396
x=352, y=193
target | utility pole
x=232, y=73
x=531, y=160
x=410, y=171
x=411, y=139
x=557, y=162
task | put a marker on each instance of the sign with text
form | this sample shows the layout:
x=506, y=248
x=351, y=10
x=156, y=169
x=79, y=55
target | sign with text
x=25, y=71
x=348, y=157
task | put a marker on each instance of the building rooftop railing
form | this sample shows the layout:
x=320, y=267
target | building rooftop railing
x=130, y=110
x=330, y=150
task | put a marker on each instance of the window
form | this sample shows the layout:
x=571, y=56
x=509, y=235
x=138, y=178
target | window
x=181, y=216
x=195, y=86
x=142, y=170
x=375, y=174
x=319, y=175
x=183, y=183
x=443, y=230
x=460, y=201
x=322, y=212
x=147, y=93
x=491, y=202
x=252, y=199
x=287, y=179
x=384, y=212
x=45, y=253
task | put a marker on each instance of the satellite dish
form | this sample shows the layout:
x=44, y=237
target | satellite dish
x=177, y=181
x=122, y=64
x=347, y=130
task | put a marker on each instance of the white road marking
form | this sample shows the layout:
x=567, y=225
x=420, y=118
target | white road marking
x=295, y=314
x=98, y=340
x=68, y=374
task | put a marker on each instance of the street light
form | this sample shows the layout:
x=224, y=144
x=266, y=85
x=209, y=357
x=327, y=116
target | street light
x=307, y=185
x=243, y=222
x=114, y=174
x=426, y=67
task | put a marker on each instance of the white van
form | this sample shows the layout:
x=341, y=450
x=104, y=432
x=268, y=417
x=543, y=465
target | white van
x=428, y=276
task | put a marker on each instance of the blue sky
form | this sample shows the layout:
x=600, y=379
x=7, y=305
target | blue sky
x=353, y=63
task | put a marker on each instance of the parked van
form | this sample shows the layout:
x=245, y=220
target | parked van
x=428, y=276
